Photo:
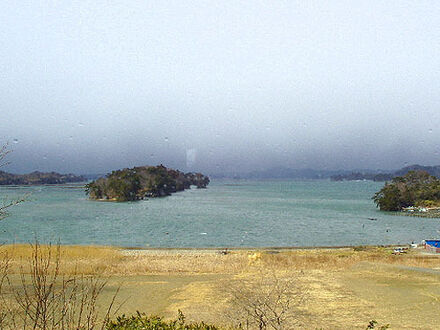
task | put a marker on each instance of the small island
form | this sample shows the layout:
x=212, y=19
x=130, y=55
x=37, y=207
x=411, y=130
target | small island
x=417, y=193
x=141, y=182
x=38, y=178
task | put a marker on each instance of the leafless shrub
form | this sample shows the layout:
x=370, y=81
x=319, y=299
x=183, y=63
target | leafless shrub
x=267, y=301
x=7, y=204
x=4, y=268
x=4, y=151
x=46, y=300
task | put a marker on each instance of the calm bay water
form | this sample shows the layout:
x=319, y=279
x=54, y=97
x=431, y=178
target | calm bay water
x=227, y=214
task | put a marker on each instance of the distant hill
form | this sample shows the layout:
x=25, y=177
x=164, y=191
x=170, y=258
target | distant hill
x=355, y=176
x=289, y=173
x=334, y=175
x=36, y=178
x=431, y=170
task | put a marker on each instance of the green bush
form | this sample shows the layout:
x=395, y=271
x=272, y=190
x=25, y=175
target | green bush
x=141, y=321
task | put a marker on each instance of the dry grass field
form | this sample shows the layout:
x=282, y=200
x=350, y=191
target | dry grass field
x=327, y=288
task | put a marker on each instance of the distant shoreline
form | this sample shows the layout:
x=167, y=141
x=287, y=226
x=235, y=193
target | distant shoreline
x=221, y=248
x=53, y=185
x=267, y=248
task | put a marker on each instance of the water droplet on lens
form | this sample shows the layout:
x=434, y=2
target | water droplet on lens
x=430, y=130
x=80, y=124
x=166, y=139
x=15, y=141
x=44, y=157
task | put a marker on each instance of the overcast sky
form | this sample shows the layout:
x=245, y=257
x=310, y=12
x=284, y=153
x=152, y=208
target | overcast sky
x=90, y=86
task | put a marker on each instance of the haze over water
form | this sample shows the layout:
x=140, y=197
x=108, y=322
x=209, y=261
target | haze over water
x=218, y=87
x=230, y=86
x=227, y=214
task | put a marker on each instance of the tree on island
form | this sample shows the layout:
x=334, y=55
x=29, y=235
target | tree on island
x=416, y=188
x=144, y=181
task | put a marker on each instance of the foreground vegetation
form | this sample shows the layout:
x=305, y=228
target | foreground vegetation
x=415, y=189
x=145, y=322
x=145, y=181
x=48, y=298
x=274, y=289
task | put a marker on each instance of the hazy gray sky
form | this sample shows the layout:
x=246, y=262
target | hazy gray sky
x=90, y=86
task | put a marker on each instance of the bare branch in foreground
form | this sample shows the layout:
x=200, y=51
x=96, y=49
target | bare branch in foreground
x=267, y=301
x=4, y=151
x=43, y=298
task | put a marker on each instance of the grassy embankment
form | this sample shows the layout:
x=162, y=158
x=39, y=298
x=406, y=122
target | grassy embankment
x=343, y=288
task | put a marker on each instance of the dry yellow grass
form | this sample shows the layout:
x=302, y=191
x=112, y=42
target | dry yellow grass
x=347, y=287
x=334, y=259
x=108, y=261
x=74, y=259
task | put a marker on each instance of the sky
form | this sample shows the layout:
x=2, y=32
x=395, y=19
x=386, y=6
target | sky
x=219, y=86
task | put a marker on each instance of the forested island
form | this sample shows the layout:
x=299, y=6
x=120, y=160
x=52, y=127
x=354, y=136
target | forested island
x=38, y=178
x=144, y=181
x=415, y=193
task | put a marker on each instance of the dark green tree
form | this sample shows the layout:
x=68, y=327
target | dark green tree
x=416, y=188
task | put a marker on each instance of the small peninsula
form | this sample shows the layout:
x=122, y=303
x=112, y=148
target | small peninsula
x=38, y=178
x=137, y=183
x=416, y=193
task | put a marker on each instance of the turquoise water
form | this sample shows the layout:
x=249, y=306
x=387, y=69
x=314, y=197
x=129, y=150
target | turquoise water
x=227, y=214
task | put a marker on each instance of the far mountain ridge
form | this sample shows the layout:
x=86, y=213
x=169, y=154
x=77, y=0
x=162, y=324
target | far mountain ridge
x=36, y=178
x=431, y=170
x=334, y=175
x=289, y=173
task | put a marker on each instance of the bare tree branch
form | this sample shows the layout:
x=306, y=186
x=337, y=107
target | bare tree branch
x=267, y=301
x=4, y=151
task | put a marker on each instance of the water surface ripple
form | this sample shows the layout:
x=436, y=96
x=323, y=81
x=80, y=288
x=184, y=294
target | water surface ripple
x=227, y=214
